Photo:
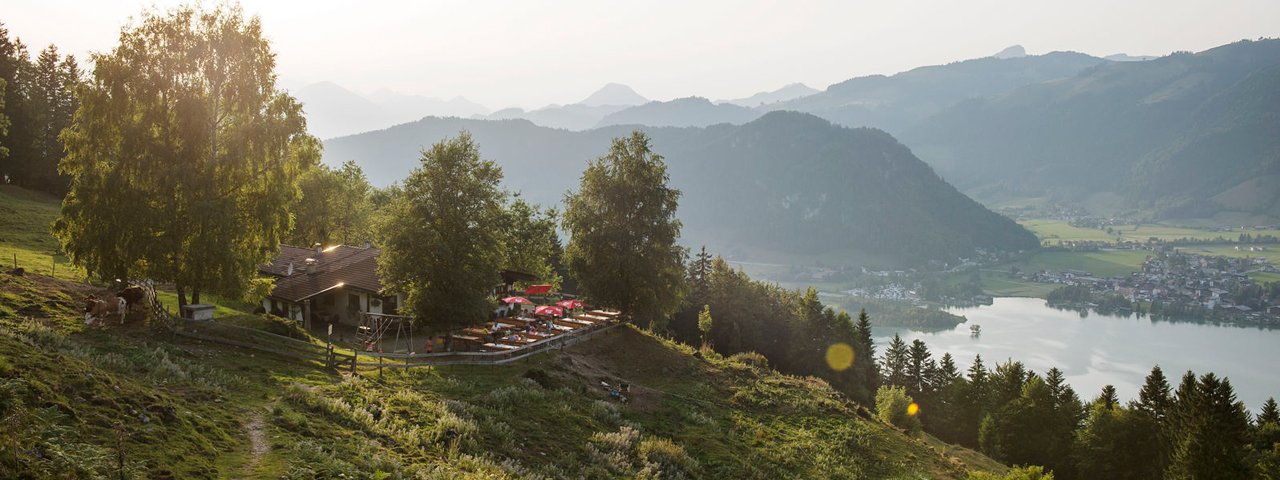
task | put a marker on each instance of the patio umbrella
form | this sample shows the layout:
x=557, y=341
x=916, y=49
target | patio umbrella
x=571, y=303
x=516, y=300
x=548, y=310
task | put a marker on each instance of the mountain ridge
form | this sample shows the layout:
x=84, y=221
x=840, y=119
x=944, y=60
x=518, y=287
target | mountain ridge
x=865, y=177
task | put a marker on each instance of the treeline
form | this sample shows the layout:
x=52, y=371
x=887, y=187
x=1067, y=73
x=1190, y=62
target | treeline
x=38, y=102
x=1017, y=416
x=793, y=330
x=1020, y=417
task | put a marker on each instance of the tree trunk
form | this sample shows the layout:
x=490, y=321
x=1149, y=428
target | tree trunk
x=195, y=295
x=182, y=294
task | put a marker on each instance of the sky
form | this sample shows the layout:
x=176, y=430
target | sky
x=534, y=53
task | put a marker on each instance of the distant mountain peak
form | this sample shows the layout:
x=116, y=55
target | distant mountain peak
x=1015, y=51
x=614, y=94
x=787, y=92
x=1124, y=57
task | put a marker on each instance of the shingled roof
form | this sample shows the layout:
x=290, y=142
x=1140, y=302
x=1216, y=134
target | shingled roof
x=350, y=267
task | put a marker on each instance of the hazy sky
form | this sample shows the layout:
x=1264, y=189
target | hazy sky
x=531, y=53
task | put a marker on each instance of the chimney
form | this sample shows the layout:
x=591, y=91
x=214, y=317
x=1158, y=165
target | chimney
x=290, y=272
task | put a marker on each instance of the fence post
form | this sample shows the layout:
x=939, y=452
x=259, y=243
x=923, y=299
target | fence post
x=379, y=367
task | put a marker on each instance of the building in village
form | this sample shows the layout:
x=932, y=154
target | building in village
x=317, y=285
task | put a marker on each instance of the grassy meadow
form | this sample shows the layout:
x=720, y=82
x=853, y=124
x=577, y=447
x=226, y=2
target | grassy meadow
x=25, y=219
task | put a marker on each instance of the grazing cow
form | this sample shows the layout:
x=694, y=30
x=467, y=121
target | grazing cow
x=99, y=309
x=133, y=295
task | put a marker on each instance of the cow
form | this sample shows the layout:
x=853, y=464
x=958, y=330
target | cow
x=99, y=309
x=132, y=295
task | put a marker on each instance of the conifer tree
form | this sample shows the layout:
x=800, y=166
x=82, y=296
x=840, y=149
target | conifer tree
x=1269, y=413
x=864, y=355
x=1154, y=399
x=920, y=370
x=699, y=270
x=894, y=363
x=1210, y=432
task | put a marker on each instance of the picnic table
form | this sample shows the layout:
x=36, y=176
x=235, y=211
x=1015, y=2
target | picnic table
x=573, y=323
x=498, y=346
x=605, y=313
x=591, y=318
x=519, y=322
x=519, y=341
x=477, y=331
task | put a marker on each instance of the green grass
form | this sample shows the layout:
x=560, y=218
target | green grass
x=1000, y=285
x=25, y=219
x=1057, y=231
x=223, y=307
x=1265, y=277
x=186, y=408
x=1103, y=263
x=1272, y=253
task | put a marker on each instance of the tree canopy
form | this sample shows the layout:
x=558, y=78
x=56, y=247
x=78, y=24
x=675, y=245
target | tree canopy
x=444, y=247
x=622, y=226
x=335, y=207
x=183, y=154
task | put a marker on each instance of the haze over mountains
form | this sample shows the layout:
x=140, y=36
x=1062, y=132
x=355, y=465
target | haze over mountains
x=1186, y=135
x=334, y=111
x=787, y=183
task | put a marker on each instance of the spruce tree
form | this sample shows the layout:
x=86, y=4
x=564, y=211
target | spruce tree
x=1269, y=413
x=1108, y=397
x=864, y=355
x=920, y=370
x=894, y=363
x=1211, y=434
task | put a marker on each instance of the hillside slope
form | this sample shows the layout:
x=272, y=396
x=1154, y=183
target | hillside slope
x=133, y=400
x=787, y=182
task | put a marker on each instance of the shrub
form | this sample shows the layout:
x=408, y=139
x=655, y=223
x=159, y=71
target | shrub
x=1022, y=473
x=751, y=359
x=892, y=406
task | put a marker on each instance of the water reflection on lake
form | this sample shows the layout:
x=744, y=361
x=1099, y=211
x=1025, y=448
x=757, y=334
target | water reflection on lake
x=1097, y=350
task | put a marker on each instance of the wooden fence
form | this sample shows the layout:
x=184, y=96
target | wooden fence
x=236, y=335
x=253, y=338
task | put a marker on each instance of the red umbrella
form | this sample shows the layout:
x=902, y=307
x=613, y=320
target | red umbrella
x=548, y=310
x=516, y=300
x=571, y=303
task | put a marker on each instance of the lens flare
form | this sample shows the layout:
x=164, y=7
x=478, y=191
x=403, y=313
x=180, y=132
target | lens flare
x=839, y=357
x=913, y=409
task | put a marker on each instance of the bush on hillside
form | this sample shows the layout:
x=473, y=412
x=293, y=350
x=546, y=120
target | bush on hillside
x=892, y=404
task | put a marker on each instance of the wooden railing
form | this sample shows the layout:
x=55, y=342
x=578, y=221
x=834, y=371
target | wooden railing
x=253, y=338
x=327, y=354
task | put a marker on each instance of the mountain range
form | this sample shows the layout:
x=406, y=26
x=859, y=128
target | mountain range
x=1189, y=135
x=1186, y=135
x=333, y=111
x=786, y=183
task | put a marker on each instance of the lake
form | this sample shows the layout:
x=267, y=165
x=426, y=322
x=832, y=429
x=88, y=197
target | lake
x=1106, y=349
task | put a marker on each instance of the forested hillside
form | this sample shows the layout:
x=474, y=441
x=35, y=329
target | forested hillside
x=1187, y=134
x=787, y=182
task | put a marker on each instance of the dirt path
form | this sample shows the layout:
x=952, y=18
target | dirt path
x=258, y=444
